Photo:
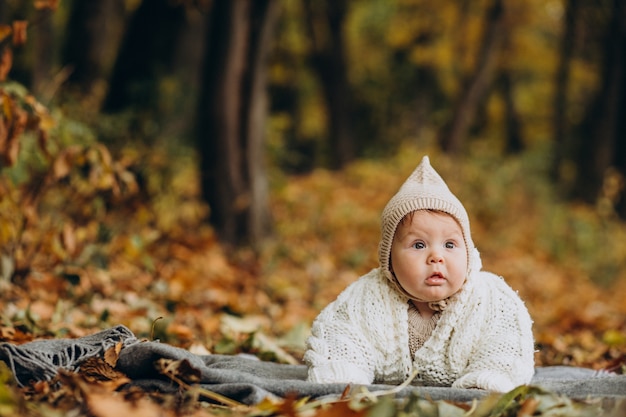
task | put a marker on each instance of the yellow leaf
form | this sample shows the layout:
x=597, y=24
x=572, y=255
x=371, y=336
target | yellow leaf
x=5, y=31
x=614, y=337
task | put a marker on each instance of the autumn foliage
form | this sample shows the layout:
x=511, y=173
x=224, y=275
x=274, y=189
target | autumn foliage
x=93, y=235
x=92, y=238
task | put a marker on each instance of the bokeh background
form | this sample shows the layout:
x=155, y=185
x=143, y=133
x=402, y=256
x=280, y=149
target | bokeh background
x=212, y=173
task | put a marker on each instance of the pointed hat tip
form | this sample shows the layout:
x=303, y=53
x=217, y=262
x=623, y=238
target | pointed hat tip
x=426, y=175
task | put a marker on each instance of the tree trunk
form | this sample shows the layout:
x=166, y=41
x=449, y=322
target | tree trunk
x=231, y=119
x=94, y=32
x=146, y=54
x=512, y=119
x=601, y=128
x=5, y=19
x=454, y=133
x=620, y=155
x=562, y=148
x=325, y=22
x=264, y=15
x=43, y=66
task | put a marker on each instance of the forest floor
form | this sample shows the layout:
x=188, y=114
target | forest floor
x=162, y=273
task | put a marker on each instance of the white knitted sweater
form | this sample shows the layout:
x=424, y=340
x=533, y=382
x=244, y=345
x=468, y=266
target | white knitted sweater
x=482, y=340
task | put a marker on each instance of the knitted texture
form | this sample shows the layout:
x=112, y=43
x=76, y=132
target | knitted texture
x=482, y=340
x=424, y=189
x=420, y=328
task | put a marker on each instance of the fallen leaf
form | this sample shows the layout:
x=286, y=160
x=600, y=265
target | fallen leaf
x=106, y=404
x=112, y=354
x=178, y=369
x=96, y=369
x=6, y=62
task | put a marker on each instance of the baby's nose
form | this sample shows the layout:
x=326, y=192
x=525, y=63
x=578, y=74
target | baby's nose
x=435, y=258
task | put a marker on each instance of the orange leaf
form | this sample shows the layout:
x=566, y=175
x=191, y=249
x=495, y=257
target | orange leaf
x=112, y=355
x=62, y=165
x=7, y=333
x=4, y=136
x=107, y=404
x=46, y=4
x=11, y=146
x=96, y=370
x=340, y=409
x=69, y=238
x=19, y=32
x=5, y=31
x=181, y=331
x=6, y=62
x=528, y=408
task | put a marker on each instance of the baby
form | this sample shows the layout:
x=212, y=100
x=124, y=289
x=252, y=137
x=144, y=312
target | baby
x=428, y=307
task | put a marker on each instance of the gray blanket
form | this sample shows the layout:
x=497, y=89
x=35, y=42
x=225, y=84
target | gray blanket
x=249, y=380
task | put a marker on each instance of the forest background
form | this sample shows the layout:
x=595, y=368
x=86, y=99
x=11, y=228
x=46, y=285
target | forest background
x=211, y=173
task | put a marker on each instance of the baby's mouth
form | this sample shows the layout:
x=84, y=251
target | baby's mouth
x=436, y=278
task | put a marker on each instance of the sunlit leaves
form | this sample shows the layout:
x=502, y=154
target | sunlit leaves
x=320, y=219
x=6, y=62
x=46, y=4
x=10, y=399
x=19, y=32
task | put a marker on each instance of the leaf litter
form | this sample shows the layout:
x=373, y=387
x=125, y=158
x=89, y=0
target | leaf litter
x=171, y=280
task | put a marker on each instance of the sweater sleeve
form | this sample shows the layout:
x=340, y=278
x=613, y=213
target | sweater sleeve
x=350, y=339
x=503, y=356
x=336, y=352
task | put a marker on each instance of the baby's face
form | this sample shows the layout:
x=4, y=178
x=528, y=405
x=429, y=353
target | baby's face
x=428, y=255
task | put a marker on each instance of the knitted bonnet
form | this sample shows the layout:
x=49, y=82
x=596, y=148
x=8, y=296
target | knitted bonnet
x=423, y=190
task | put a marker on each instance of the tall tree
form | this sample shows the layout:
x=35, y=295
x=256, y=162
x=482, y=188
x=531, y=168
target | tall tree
x=477, y=83
x=231, y=119
x=603, y=128
x=561, y=146
x=44, y=83
x=4, y=12
x=514, y=142
x=325, y=22
x=94, y=31
x=146, y=54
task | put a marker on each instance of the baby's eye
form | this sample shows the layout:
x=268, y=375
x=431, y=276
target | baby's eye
x=419, y=245
x=450, y=245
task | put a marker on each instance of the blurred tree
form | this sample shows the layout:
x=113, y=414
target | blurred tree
x=4, y=12
x=325, y=23
x=514, y=142
x=34, y=61
x=231, y=119
x=478, y=82
x=291, y=147
x=21, y=69
x=146, y=55
x=561, y=146
x=43, y=81
x=603, y=129
x=93, y=34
